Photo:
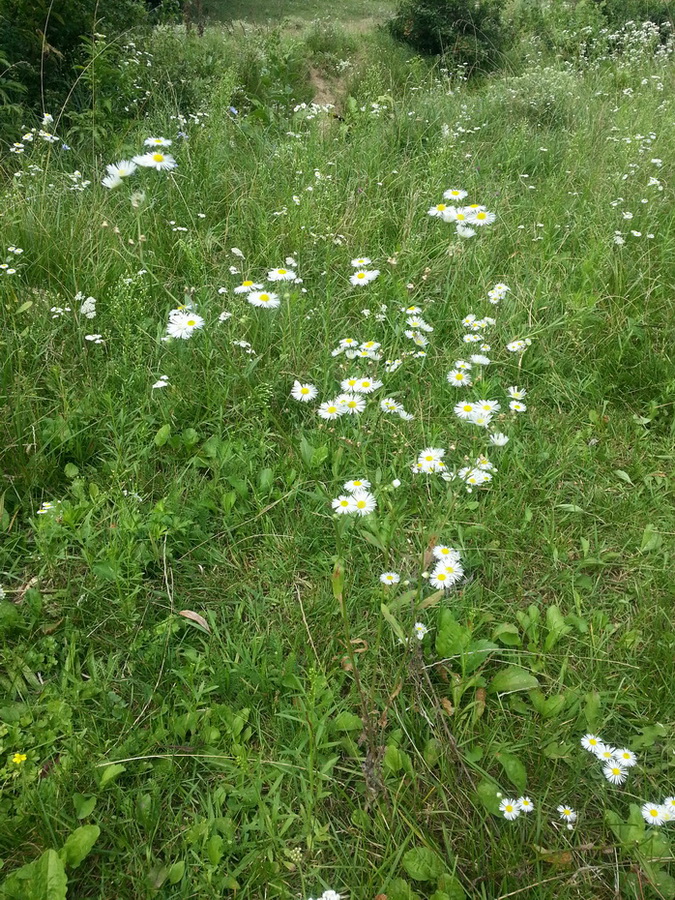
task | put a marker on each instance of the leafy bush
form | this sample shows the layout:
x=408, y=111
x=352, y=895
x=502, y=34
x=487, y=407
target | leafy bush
x=617, y=12
x=469, y=32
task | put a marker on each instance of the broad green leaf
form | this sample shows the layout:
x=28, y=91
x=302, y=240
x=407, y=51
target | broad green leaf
x=592, y=710
x=650, y=735
x=627, y=833
x=432, y=751
x=651, y=539
x=655, y=845
x=556, y=627
x=84, y=805
x=507, y=634
x=514, y=769
x=624, y=476
x=110, y=773
x=43, y=879
x=78, y=845
x=570, y=507
x=399, y=889
x=513, y=679
x=215, y=847
x=396, y=760
x=347, y=721
x=449, y=886
x=423, y=864
x=487, y=794
x=176, y=872
x=665, y=884
x=451, y=637
x=162, y=435
x=476, y=654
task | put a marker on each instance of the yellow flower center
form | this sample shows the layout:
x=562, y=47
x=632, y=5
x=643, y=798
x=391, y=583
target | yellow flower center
x=361, y=504
x=191, y=322
x=264, y=297
x=246, y=283
x=158, y=157
x=441, y=207
x=304, y=390
x=653, y=812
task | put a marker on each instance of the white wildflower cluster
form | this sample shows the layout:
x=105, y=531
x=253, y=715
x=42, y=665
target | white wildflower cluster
x=88, y=305
x=8, y=266
x=357, y=500
x=465, y=218
x=154, y=158
x=183, y=322
x=448, y=569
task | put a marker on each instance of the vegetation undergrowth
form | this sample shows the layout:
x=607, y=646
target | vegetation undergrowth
x=282, y=610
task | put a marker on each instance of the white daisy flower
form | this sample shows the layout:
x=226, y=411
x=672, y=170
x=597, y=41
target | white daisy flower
x=162, y=162
x=481, y=419
x=263, y=298
x=479, y=360
x=453, y=571
x=183, y=324
x=458, y=378
x=157, y=142
x=567, y=814
x=281, y=275
x=438, y=211
x=488, y=406
x=516, y=393
x=352, y=404
x=669, y=805
x=224, y=316
x=420, y=630
x=654, y=814
x=472, y=338
x=111, y=181
x=360, y=262
x=510, y=809
x=331, y=409
x=247, y=286
x=94, y=338
x=626, y=758
x=431, y=459
x=369, y=345
x=363, y=276
x=390, y=578
x=465, y=232
x=517, y=406
x=454, y=194
x=614, y=773
x=303, y=392
x=365, y=502
x=605, y=753
x=344, y=505
x=482, y=217
x=122, y=169
x=465, y=410
x=446, y=554
x=518, y=346
x=591, y=742
x=525, y=804
x=367, y=385
x=356, y=484
x=389, y=405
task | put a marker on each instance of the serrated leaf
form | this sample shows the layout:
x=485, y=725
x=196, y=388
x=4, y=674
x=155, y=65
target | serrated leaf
x=513, y=679
x=78, y=845
x=423, y=864
x=514, y=769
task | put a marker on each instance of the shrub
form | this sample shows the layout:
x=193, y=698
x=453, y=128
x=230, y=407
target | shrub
x=618, y=12
x=470, y=33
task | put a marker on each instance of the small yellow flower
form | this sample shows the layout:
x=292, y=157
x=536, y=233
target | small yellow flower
x=19, y=758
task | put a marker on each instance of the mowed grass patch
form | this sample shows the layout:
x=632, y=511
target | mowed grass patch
x=199, y=657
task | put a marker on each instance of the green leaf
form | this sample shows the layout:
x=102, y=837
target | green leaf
x=78, y=845
x=347, y=721
x=624, y=476
x=570, y=507
x=514, y=769
x=398, y=631
x=450, y=886
x=372, y=539
x=655, y=845
x=423, y=864
x=651, y=539
x=399, y=889
x=215, y=847
x=84, y=805
x=556, y=625
x=432, y=751
x=512, y=679
x=396, y=760
x=592, y=709
x=650, y=735
x=162, y=435
x=451, y=637
x=476, y=654
x=110, y=773
x=176, y=872
x=665, y=884
x=507, y=634
x=627, y=833
x=43, y=879
x=487, y=794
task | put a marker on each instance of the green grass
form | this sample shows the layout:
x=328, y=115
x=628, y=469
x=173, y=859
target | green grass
x=275, y=11
x=295, y=743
